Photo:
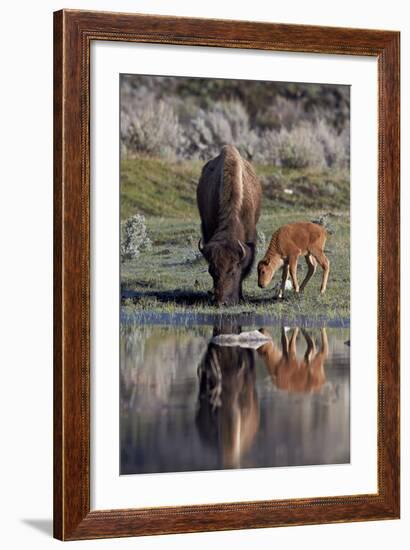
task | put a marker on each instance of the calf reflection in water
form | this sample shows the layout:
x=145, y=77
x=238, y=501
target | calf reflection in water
x=290, y=373
x=228, y=407
x=229, y=412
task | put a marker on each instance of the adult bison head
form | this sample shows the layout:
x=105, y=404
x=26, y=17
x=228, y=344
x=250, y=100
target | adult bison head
x=228, y=260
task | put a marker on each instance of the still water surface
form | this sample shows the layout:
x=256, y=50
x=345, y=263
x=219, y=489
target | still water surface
x=188, y=404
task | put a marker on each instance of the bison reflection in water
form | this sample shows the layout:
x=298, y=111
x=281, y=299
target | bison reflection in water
x=228, y=411
x=241, y=408
x=290, y=373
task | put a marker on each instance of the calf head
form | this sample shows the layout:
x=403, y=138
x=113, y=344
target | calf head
x=267, y=269
x=228, y=260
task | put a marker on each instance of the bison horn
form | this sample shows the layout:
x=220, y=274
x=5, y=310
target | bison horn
x=200, y=245
x=243, y=250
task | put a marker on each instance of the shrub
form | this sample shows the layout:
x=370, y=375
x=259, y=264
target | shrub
x=335, y=146
x=261, y=241
x=267, y=150
x=313, y=145
x=208, y=130
x=179, y=119
x=134, y=237
x=300, y=148
x=282, y=112
x=324, y=220
x=151, y=127
x=192, y=255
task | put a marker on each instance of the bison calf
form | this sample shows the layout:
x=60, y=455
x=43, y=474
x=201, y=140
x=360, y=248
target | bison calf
x=287, y=244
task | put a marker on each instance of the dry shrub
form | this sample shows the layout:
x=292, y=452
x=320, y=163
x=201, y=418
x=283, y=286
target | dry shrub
x=134, y=237
x=283, y=133
x=307, y=145
x=208, y=130
x=152, y=127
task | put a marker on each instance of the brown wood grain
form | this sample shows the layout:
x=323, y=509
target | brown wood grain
x=73, y=33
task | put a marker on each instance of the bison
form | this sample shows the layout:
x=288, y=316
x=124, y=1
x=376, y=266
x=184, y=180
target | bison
x=287, y=244
x=229, y=200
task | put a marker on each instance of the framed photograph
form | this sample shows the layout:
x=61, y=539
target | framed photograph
x=226, y=275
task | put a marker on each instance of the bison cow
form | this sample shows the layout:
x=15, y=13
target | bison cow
x=229, y=198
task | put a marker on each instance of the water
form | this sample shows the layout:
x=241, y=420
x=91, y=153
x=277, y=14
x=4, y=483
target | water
x=188, y=404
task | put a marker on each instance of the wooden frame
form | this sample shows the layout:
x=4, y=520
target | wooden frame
x=73, y=33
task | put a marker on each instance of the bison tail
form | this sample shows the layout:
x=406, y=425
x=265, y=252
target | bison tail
x=232, y=184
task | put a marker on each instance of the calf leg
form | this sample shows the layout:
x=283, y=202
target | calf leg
x=293, y=266
x=285, y=275
x=311, y=263
x=311, y=348
x=285, y=343
x=325, y=265
x=325, y=344
x=292, y=344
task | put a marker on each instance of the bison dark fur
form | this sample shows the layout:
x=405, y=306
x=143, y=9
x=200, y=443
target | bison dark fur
x=229, y=200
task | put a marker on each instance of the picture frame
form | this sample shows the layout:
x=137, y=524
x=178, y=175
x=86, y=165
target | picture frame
x=74, y=31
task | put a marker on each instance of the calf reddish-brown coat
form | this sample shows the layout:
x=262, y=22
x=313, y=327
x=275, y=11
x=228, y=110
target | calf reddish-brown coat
x=287, y=244
x=290, y=373
x=229, y=198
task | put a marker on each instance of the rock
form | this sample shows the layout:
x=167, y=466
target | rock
x=251, y=339
x=288, y=286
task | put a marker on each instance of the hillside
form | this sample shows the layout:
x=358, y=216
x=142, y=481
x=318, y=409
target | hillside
x=158, y=187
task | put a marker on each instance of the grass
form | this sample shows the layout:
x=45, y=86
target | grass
x=156, y=187
x=173, y=279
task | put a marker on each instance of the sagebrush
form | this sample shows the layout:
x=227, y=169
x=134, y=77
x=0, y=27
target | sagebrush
x=298, y=126
x=134, y=237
